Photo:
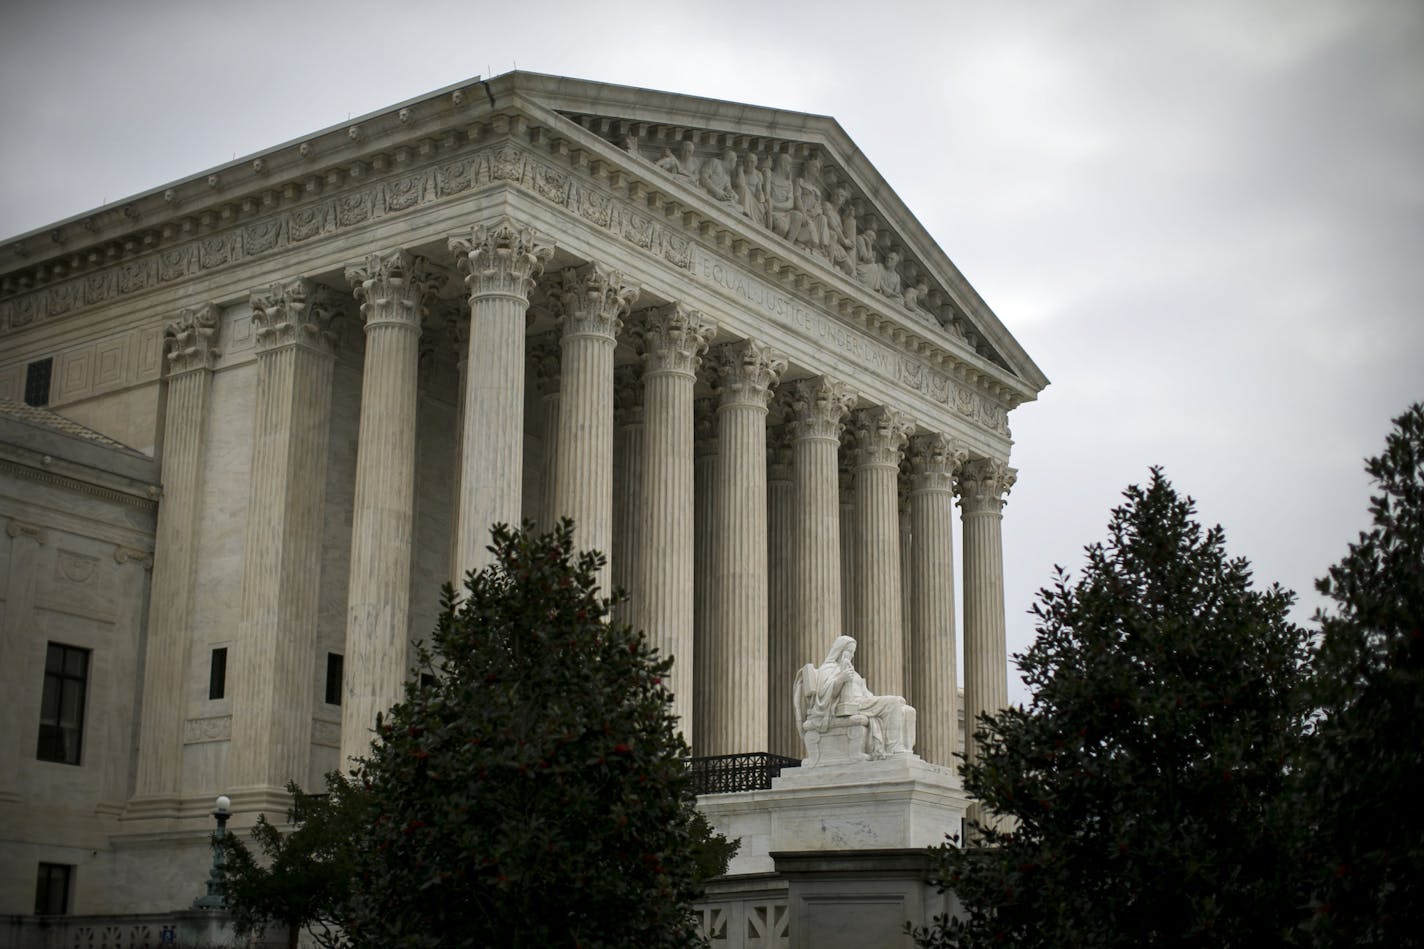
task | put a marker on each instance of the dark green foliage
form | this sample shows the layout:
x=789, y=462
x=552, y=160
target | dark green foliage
x=1146, y=781
x=302, y=876
x=1364, y=782
x=533, y=794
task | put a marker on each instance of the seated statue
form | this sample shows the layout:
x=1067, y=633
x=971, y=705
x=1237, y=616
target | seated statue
x=841, y=719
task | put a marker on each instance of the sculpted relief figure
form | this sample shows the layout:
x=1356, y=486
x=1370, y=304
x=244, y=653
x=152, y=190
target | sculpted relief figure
x=841, y=720
x=781, y=195
x=808, y=217
x=841, y=222
x=683, y=164
x=716, y=176
x=749, y=183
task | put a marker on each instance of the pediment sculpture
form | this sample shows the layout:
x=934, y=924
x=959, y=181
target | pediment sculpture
x=841, y=720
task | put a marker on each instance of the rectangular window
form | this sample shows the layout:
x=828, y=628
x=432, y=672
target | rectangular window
x=66, y=679
x=217, y=674
x=52, y=889
x=333, y=678
x=37, y=376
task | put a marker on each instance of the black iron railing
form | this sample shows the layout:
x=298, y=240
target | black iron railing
x=723, y=774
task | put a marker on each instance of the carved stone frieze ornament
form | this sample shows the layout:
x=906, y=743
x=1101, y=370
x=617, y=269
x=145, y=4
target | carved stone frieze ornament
x=295, y=312
x=392, y=287
x=983, y=485
x=818, y=407
x=592, y=300
x=672, y=338
x=190, y=342
x=934, y=458
x=502, y=258
x=878, y=435
x=746, y=371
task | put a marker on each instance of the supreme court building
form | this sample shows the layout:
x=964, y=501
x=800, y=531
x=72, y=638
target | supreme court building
x=252, y=420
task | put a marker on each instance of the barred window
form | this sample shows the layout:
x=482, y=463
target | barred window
x=66, y=679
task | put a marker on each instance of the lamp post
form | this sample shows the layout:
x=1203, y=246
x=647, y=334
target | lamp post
x=213, y=899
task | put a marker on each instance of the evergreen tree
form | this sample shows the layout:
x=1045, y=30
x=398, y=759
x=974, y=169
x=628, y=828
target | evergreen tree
x=1364, y=782
x=1143, y=790
x=531, y=790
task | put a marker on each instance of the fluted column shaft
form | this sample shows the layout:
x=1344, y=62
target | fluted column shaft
x=704, y=547
x=671, y=340
x=906, y=576
x=628, y=441
x=982, y=485
x=544, y=360
x=593, y=301
x=746, y=371
x=933, y=675
x=392, y=288
x=784, y=737
x=878, y=436
x=501, y=262
x=190, y=351
x=276, y=647
x=850, y=543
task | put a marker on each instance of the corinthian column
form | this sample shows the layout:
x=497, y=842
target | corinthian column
x=850, y=543
x=878, y=436
x=784, y=736
x=392, y=289
x=628, y=473
x=982, y=485
x=817, y=414
x=592, y=301
x=933, y=679
x=276, y=648
x=671, y=340
x=190, y=351
x=746, y=371
x=500, y=262
x=704, y=547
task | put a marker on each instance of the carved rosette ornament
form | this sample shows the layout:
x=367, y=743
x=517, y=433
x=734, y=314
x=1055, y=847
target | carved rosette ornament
x=934, y=459
x=592, y=301
x=673, y=338
x=296, y=312
x=983, y=485
x=190, y=342
x=501, y=259
x=746, y=372
x=878, y=436
x=392, y=287
x=818, y=408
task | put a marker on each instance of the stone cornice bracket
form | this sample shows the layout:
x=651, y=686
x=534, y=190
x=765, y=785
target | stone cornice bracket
x=501, y=259
x=144, y=558
x=983, y=485
x=298, y=312
x=878, y=436
x=190, y=341
x=592, y=300
x=819, y=407
x=934, y=458
x=393, y=287
x=746, y=371
x=672, y=339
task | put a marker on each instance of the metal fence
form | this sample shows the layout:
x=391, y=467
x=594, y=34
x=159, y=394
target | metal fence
x=723, y=774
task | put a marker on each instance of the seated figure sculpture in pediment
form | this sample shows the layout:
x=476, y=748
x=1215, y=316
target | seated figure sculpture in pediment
x=841, y=720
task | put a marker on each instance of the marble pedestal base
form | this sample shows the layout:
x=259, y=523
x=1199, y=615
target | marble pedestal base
x=898, y=803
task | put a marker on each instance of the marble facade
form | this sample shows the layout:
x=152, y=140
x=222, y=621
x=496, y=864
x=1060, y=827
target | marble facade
x=709, y=332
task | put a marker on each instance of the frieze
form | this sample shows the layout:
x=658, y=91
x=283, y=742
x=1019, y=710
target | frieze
x=199, y=730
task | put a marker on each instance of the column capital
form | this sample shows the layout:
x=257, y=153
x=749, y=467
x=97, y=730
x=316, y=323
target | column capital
x=672, y=338
x=878, y=435
x=393, y=287
x=704, y=426
x=628, y=394
x=190, y=341
x=501, y=258
x=778, y=453
x=544, y=363
x=746, y=371
x=983, y=484
x=295, y=312
x=818, y=407
x=592, y=300
x=845, y=474
x=934, y=458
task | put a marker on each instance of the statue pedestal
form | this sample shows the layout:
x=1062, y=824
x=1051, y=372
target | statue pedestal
x=897, y=803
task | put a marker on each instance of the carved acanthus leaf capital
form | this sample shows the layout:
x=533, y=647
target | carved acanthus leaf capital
x=818, y=407
x=983, y=485
x=878, y=436
x=704, y=426
x=393, y=287
x=190, y=342
x=746, y=371
x=628, y=394
x=295, y=312
x=778, y=453
x=592, y=300
x=544, y=363
x=501, y=259
x=934, y=458
x=673, y=338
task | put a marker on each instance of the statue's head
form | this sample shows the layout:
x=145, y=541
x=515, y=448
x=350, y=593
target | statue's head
x=843, y=649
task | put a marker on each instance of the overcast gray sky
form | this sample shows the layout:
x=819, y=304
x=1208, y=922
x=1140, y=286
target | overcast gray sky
x=1204, y=221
